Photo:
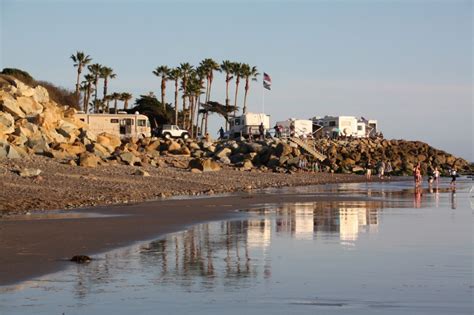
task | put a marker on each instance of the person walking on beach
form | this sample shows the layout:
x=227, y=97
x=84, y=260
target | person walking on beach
x=417, y=174
x=368, y=171
x=436, y=176
x=454, y=174
x=388, y=169
x=277, y=131
x=381, y=169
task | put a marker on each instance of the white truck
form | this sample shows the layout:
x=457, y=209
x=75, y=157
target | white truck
x=248, y=125
x=121, y=124
x=301, y=128
x=173, y=131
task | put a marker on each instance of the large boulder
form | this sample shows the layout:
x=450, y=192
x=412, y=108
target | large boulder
x=10, y=105
x=88, y=159
x=223, y=153
x=29, y=106
x=7, y=123
x=204, y=165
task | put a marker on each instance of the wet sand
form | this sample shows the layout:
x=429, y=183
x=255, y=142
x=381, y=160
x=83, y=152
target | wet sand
x=32, y=246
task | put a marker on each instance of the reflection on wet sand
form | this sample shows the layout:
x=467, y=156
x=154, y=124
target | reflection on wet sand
x=229, y=253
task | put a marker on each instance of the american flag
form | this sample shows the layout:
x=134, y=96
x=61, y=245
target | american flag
x=267, y=78
x=267, y=85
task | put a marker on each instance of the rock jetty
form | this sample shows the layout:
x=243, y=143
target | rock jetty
x=33, y=124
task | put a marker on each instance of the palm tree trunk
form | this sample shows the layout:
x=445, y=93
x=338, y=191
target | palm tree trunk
x=163, y=91
x=227, y=101
x=96, y=84
x=115, y=105
x=79, y=70
x=244, y=109
x=105, y=88
x=237, y=81
x=176, y=102
x=125, y=104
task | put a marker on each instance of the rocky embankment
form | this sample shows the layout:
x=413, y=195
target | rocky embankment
x=32, y=124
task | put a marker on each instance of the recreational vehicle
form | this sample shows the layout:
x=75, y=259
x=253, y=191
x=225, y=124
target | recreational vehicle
x=248, y=124
x=120, y=124
x=347, y=126
x=302, y=128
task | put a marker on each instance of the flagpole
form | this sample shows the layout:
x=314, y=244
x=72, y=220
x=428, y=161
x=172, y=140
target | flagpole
x=263, y=99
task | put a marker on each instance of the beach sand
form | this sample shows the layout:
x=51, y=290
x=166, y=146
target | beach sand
x=40, y=243
x=113, y=211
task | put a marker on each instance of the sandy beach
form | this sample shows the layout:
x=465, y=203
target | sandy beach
x=61, y=186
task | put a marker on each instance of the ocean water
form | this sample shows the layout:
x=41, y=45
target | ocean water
x=409, y=252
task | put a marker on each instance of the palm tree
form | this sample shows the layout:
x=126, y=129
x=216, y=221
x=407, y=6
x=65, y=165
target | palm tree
x=163, y=72
x=226, y=67
x=125, y=97
x=249, y=73
x=106, y=73
x=98, y=105
x=193, y=92
x=94, y=69
x=80, y=59
x=115, y=97
x=88, y=82
x=185, y=69
x=237, y=72
x=175, y=75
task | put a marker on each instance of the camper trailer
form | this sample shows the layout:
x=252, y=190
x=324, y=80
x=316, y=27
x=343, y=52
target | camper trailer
x=346, y=126
x=302, y=128
x=121, y=124
x=248, y=124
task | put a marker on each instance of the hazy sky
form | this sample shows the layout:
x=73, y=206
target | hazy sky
x=406, y=63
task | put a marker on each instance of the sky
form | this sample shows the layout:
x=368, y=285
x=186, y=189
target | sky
x=408, y=64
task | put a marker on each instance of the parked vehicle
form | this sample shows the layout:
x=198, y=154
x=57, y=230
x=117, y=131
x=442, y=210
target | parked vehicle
x=302, y=128
x=173, y=131
x=248, y=125
x=121, y=124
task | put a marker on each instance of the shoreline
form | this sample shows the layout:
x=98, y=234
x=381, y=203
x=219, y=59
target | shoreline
x=62, y=186
x=33, y=247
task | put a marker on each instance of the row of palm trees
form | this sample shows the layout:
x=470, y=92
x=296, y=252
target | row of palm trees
x=192, y=81
x=90, y=84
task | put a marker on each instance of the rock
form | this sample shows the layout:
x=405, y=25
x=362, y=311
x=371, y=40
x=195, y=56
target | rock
x=283, y=149
x=10, y=105
x=29, y=106
x=29, y=172
x=140, y=172
x=204, y=165
x=10, y=151
x=129, y=158
x=88, y=159
x=81, y=259
x=7, y=123
x=41, y=95
x=180, y=164
x=174, y=147
x=109, y=140
x=224, y=152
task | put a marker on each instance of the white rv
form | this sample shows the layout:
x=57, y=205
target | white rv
x=302, y=128
x=121, y=124
x=248, y=124
x=348, y=126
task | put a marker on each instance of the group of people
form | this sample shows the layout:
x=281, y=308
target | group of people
x=383, y=169
x=433, y=175
x=306, y=165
